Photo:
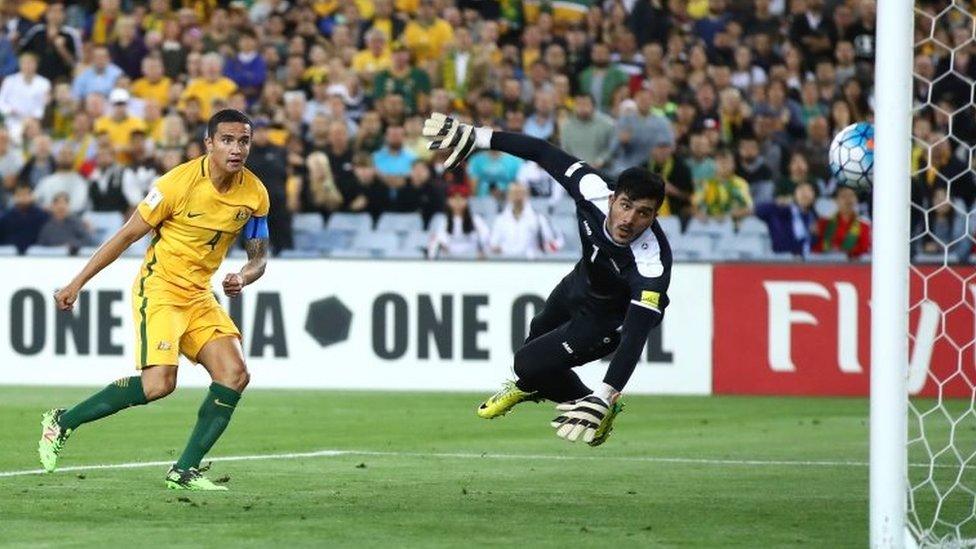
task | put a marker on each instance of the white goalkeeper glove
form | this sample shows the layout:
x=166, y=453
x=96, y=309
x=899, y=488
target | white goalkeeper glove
x=580, y=418
x=447, y=133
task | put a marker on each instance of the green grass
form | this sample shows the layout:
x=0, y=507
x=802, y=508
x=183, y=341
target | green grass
x=431, y=501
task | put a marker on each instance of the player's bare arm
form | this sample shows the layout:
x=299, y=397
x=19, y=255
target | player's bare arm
x=257, y=261
x=134, y=229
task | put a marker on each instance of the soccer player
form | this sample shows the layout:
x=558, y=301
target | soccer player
x=196, y=212
x=613, y=297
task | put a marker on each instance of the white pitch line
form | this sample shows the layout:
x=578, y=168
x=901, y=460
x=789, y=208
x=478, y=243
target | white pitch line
x=461, y=455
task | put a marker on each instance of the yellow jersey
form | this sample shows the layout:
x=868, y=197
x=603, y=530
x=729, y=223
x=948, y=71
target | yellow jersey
x=428, y=43
x=207, y=92
x=159, y=92
x=194, y=226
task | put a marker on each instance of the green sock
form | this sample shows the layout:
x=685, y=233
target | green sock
x=119, y=395
x=212, y=419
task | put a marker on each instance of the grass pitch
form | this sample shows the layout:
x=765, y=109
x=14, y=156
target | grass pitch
x=421, y=470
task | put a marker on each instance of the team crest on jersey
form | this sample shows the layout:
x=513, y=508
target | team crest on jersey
x=164, y=346
x=242, y=214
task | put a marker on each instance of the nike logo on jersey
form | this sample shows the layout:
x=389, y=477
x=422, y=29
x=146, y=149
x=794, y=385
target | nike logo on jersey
x=219, y=403
x=586, y=226
x=567, y=347
x=191, y=215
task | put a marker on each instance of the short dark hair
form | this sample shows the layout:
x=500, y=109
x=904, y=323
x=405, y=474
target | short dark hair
x=227, y=115
x=638, y=183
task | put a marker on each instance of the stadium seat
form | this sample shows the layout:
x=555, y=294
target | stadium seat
x=568, y=227
x=400, y=222
x=825, y=206
x=541, y=204
x=104, y=224
x=378, y=243
x=828, y=257
x=7, y=251
x=436, y=221
x=711, y=228
x=237, y=253
x=350, y=222
x=416, y=240
x=139, y=247
x=351, y=254
x=671, y=226
x=748, y=246
x=695, y=246
x=933, y=259
x=485, y=206
x=300, y=254
x=405, y=253
x=307, y=229
x=752, y=225
x=564, y=206
x=48, y=251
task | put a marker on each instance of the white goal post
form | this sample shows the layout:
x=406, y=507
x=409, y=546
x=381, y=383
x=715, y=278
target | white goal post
x=889, y=274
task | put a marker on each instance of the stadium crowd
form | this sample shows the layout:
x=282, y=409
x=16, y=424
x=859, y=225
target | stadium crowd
x=734, y=103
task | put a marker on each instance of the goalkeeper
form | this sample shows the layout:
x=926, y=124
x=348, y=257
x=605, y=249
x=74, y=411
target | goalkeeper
x=613, y=297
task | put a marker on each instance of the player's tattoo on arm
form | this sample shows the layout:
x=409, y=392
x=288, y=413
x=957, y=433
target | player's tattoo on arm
x=257, y=259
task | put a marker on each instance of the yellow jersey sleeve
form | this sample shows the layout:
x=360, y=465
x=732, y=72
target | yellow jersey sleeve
x=161, y=201
x=264, y=203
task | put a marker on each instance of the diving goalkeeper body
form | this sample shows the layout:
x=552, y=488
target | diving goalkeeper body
x=196, y=211
x=613, y=297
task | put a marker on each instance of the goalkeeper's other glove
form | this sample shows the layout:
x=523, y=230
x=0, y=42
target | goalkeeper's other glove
x=580, y=418
x=447, y=133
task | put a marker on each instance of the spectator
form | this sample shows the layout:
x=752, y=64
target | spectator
x=845, y=231
x=637, y=130
x=369, y=138
x=322, y=191
x=752, y=167
x=24, y=94
x=141, y=171
x=542, y=123
x=601, y=80
x=373, y=189
x=790, y=223
x=428, y=35
x=405, y=80
x=99, y=78
x=247, y=68
x=210, y=86
x=588, y=134
x=701, y=163
x=520, y=232
x=386, y=21
x=39, y=165
x=128, y=50
x=490, y=172
x=945, y=230
x=269, y=163
x=799, y=173
x=119, y=124
x=393, y=161
x=429, y=195
x=64, y=180
x=56, y=46
x=462, y=233
x=539, y=183
x=725, y=194
x=465, y=67
x=63, y=228
x=106, y=189
x=21, y=225
x=679, y=188
x=11, y=162
x=83, y=139
x=375, y=57
x=816, y=147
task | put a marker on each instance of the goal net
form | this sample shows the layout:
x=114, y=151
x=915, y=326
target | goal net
x=941, y=375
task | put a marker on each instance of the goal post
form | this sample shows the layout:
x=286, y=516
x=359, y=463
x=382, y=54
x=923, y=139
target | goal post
x=890, y=275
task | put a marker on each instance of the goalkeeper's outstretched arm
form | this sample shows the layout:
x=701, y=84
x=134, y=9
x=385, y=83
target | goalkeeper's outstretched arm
x=464, y=139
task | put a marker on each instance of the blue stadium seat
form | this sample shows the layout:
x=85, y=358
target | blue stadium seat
x=694, y=246
x=307, y=229
x=485, y=206
x=104, y=224
x=712, y=228
x=416, y=240
x=743, y=246
x=752, y=225
x=300, y=254
x=350, y=221
x=7, y=251
x=828, y=257
x=568, y=226
x=541, y=204
x=564, y=206
x=378, y=243
x=400, y=222
x=48, y=251
x=671, y=226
